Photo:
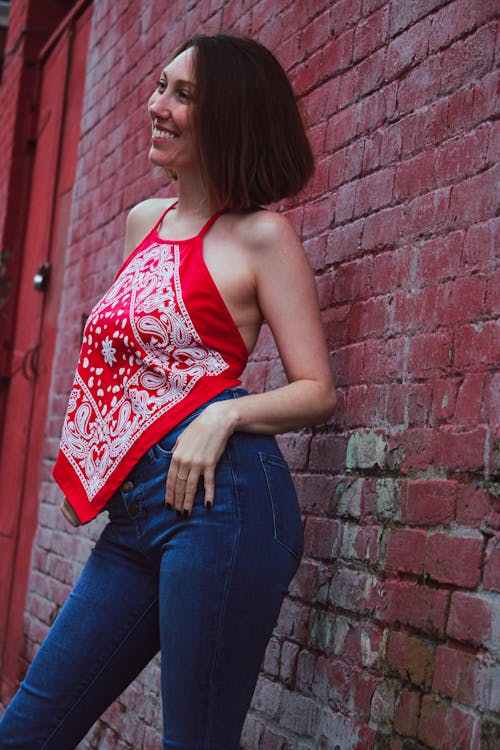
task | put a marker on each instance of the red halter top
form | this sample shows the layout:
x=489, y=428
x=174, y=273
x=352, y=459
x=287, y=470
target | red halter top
x=158, y=345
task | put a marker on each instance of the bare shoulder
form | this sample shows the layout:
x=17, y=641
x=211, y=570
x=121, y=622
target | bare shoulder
x=269, y=241
x=265, y=230
x=141, y=219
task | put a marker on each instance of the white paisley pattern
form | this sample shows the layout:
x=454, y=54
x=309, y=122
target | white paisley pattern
x=141, y=355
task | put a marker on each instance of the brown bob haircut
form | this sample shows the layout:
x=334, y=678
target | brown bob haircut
x=251, y=140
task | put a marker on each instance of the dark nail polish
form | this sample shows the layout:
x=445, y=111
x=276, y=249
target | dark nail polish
x=169, y=506
x=178, y=513
x=185, y=513
x=208, y=506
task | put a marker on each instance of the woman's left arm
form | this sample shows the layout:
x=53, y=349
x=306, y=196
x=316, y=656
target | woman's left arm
x=287, y=297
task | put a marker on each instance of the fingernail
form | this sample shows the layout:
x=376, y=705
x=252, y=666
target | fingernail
x=208, y=505
x=169, y=506
x=185, y=513
x=178, y=513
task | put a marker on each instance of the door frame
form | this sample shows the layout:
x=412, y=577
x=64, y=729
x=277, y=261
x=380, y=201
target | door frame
x=29, y=394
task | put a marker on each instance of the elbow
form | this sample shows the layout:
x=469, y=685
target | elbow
x=332, y=402
x=328, y=403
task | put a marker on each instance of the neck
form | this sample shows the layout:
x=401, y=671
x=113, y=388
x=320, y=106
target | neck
x=192, y=197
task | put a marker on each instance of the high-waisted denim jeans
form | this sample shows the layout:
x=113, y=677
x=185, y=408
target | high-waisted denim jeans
x=206, y=590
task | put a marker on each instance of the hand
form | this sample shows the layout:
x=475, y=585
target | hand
x=196, y=454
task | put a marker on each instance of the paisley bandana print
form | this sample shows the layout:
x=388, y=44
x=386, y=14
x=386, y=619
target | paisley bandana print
x=141, y=355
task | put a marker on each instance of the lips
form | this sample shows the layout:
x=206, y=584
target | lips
x=162, y=133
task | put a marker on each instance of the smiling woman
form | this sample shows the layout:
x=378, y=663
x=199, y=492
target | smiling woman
x=204, y=532
x=172, y=142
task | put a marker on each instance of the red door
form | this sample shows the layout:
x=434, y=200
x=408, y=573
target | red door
x=62, y=82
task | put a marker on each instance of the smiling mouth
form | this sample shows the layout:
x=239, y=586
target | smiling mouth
x=163, y=134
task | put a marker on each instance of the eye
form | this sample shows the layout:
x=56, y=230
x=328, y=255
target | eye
x=184, y=95
x=161, y=86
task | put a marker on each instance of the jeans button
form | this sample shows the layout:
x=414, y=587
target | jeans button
x=133, y=509
x=128, y=486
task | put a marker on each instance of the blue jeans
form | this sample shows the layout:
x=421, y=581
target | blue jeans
x=205, y=590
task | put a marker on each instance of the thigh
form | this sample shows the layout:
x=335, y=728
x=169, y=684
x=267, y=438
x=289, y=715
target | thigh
x=104, y=635
x=223, y=580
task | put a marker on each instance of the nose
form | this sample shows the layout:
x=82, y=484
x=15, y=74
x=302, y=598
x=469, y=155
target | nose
x=159, y=106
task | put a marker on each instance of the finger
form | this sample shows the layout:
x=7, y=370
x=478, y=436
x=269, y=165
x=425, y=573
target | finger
x=209, y=482
x=170, y=485
x=180, y=488
x=189, y=493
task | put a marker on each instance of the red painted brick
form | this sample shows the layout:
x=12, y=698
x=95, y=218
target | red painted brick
x=305, y=670
x=415, y=176
x=327, y=452
x=309, y=579
x=362, y=688
x=348, y=363
x=412, y=658
x=485, y=97
x=343, y=244
x=473, y=506
x=429, y=351
x=454, y=560
x=342, y=128
x=374, y=191
x=461, y=451
x=381, y=229
x=460, y=301
x=468, y=60
x=344, y=13
x=413, y=133
x=491, y=575
x=430, y=210
x=369, y=319
x=414, y=311
x=377, y=108
x=405, y=551
x=477, y=344
x=440, y=259
x=420, y=86
x=471, y=617
x=436, y=122
x=415, y=605
x=470, y=399
x=492, y=303
x=461, y=730
x=456, y=675
x=408, y=49
x=419, y=404
x=321, y=537
x=288, y=665
x=383, y=360
x=407, y=713
x=416, y=445
x=475, y=199
x=344, y=202
x=370, y=34
x=391, y=268
x=431, y=726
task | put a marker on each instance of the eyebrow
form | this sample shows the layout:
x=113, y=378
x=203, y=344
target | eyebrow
x=180, y=82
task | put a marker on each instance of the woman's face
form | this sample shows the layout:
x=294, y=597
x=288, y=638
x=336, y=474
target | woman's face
x=170, y=108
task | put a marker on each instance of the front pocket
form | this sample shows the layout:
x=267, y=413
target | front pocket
x=284, y=504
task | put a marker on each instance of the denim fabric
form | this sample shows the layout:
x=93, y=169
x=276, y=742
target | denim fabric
x=206, y=590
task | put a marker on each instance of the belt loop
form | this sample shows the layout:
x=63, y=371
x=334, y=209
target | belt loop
x=238, y=391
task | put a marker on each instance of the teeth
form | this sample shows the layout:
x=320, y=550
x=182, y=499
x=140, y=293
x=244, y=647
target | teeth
x=162, y=134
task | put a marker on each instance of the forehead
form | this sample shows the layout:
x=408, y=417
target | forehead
x=181, y=67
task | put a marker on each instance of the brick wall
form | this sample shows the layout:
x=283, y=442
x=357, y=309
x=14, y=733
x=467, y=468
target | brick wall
x=390, y=635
